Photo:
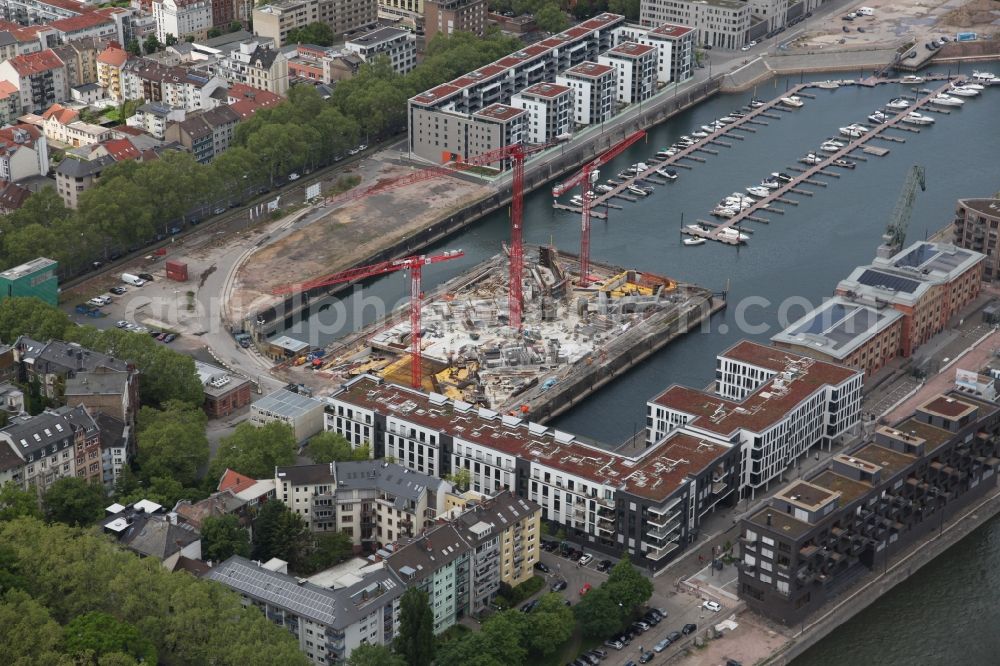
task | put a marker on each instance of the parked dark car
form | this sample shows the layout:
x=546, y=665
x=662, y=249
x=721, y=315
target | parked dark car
x=529, y=606
x=674, y=636
x=600, y=654
x=118, y=291
x=170, y=338
x=146, y=276
x=604, y=565
x=559, y=586
x=646, y=657
x=541, y=566
x=689, y=629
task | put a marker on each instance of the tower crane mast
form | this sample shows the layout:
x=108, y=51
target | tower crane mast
x=895, y=232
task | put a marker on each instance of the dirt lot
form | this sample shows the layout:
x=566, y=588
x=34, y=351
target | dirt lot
x=898, y=21
x=346, y=235
x=751, y=642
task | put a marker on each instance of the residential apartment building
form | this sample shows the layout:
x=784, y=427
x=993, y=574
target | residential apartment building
x=39, y=450
x=63, y=127
x=439, y=563
x=105, y=392
x=24, y=152
x=595, y=91
x=372, y=501
x=145, y=529
x=719, y=23
x=770, y=404
x=174, y=87
x=55, y=363
x=153, y=118
x=635, y=68
x=815, y=538
x=277, y=19
x=74, y=177
x=497, y=82
x=928, y=282
x=207, y=134
x=117, y=448
x=80, y=57
x=328, y=622
x=448, y=16
x=256, y=65
x=398, y=46
x=550, y=108
x=304, y=415
x=774, y=13
x=977, y=225
x=674, y=48
x=40, y=78
x=841, y=330
x=27, y=12
x=446, y=136
x=10, y=103
x=110, y=63
x=182, y=18
x=610, y=502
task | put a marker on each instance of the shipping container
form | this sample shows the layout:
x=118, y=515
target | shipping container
x=177, y=271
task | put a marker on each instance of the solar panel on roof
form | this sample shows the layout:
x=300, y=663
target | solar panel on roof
x=882, y=280
x=823, y=319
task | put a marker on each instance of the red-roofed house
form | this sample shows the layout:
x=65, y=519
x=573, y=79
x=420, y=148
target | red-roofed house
x=110, y=64
x=121, y=149
x=62, y=125
x=23, y=152
x=246, y=100
x=12, y=197
x=253, y=491
x=39, y=77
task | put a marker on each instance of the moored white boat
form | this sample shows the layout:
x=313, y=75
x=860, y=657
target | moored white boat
x=983, y=77
x=878, y=117
x=847, y=164
x=971, y=85
x=914, y=118
x=899, y=103
x=638, y=191
x=793, y=101
x=782, y=176
x=669, y=174
x=812, y=158
x=831, y=146
x=770, y=183
x=963, y=92
x=699, y=134
x=756, y=103
x=729, y=232
x=758, y=191
x=912, y=79
x=694, y=241
x=945, y=100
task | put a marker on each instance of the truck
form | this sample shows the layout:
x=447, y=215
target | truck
x=133, y=280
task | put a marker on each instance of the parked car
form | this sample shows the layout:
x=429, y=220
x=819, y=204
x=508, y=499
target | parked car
x=662, y=645
x=170, y=338
x=541, y=566
x=174, y=231
x=745, y=47
x=146, y=276
x=753, y=43
x=586, y=559
x=589, y=659
x=651, y=619
x=641, y=625
x=646, y=657
x=689, y=629
x=599, y=653
x=529, y=606
x=674, y=636
x=586, y=588
x=162, y=337
x=713, y=606
x=293, y=176
x=614, y=643
x=220, y=210
x=121, y=323
x=559, y=586
x=604, y=565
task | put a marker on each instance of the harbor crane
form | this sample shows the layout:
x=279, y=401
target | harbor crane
x=899, y=221
x=586, y=177
x=516, y=155
x=413, y=264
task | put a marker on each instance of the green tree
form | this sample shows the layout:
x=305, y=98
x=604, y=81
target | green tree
x=74, y=501
x=170, y=40
x=277, y=532
x=151, y=45
x=214, y=32
x=223, y=537
x=329, y=446
x=318, y=33
x=172, y=442
x=255, y=451
x=32, y=317
x=28, y=634
x=460, y=479
x=628, y=8
x=97, y=633
x=504, y=634
x=235, y=26
x=551, y=19
x=328, y=549
x=598, y=614
x=627, y=586
x=16, y=502
x=374, y=655
x=552, y=625
x=163, y=490
x=134, y=48
x=415, y=642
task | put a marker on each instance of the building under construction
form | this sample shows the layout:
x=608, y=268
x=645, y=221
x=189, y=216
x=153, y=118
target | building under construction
x=573, y=338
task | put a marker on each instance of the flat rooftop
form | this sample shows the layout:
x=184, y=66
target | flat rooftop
x=849, y=489
x=806, y=495
x=671, y=30
x=893, y=462
x=285, y=403
x=547, y=90
x=378, y=36
x=989, y=207
x=500, y=112
x=933, y=436
x=780, y=522
x=631, y=50
x=27, y=268
x=798, y=378
x=589, y=70
x=655, y=475
x=838, y=327
x=948, y=407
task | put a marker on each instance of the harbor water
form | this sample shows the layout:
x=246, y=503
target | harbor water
x=947, y=612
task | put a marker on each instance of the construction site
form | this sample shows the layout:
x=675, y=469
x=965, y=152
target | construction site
x=572, y=337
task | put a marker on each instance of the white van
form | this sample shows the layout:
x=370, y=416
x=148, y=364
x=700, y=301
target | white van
x=865, y=11
x=133, y=280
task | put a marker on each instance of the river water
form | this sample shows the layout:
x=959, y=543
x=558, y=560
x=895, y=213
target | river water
x=945, y=614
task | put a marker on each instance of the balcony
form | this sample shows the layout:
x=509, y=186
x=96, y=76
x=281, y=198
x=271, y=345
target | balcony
x=662, y=520
x=663, y=510
x=666, y=530
x=655, y=553
x=605, y=528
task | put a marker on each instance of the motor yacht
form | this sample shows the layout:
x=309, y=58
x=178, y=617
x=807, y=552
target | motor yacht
x=847, y=164
x=971, y=85
x=725, y=212
x=812, y=158
x=638, y=191
x=731, y=233
x=984, y=77
x=758, y=190
x=912, y=79
x=961, y=91
x=853, y=131
x=945, y=100
x=878, y=117
x=830, y=146
x=770, y=183
x=782, y=176
x=694, y=241
x=794, y=101
x=756, y=103
x=699, y=134
x=669, y=174
x=898, y=103
x=914, y=118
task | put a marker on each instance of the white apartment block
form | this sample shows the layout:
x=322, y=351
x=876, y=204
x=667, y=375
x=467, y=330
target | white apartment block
x=635, y=65
x=673, y=45
x=550, y=108
x=773, y=12
x=181, y=18
x=772, y=404
x=399, y=46
x=594, y=92
x=718, y=23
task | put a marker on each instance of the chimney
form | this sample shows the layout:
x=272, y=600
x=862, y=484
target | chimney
x=768, y=518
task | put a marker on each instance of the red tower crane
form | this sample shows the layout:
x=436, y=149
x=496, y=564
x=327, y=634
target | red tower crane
x=585, y=177
x=415, y=266
x=515, y=153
